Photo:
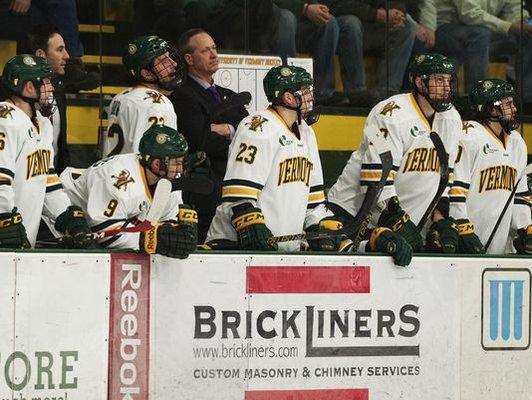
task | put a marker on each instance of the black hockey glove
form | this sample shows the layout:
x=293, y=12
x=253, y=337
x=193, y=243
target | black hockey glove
x=385, y=240
x=442, y=237
x=523, y=241
x=176, y=240
x=12, y=231
x=197, y=165
x=398, y=221
x=328, y=244
x=469, y=242
x=73, y=225
x=250, y=226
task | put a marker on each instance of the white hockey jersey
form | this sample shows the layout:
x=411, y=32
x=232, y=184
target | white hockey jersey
x=131, y=113
x=416, y=171
x=486, y=171
x=274, y=170
x=27, y=177
x=114, y=193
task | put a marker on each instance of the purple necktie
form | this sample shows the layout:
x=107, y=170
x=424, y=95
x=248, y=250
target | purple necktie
x=214, y=92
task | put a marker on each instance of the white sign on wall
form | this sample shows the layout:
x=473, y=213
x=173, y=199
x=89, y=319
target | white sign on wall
x=279, y=328
x=246, y=72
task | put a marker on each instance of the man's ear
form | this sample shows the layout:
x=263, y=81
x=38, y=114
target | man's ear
x=40, y=53
x=188, y=58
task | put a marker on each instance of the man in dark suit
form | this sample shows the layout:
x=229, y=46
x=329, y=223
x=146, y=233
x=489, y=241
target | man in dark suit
x=195, y=104
x=45, y=41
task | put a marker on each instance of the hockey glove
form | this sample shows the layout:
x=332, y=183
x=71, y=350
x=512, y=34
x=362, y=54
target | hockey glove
x=328, y=244
x=398, y=221
x=386, y=241
x=442, y=237
x=176, y=240
x=73, y=225
x=469, y=242
x=12, y=231
x=197, y=165
x=523, y=241
x=250, y=226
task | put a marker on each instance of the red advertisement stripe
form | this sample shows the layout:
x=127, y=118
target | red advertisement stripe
x=305, y=279
x=319, y=394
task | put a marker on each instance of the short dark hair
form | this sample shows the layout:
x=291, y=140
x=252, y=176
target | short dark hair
x=37, y=38
x=183, y=43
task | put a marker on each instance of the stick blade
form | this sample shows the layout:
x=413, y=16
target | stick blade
x=160, y=198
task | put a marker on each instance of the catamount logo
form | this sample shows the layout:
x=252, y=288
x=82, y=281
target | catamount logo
x=466, y=125
x=5, y=111
x=122, y=179
x=389, y=107
x=256, y=123
x=154, y=96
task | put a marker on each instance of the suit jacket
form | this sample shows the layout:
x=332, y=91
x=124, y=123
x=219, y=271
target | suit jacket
x=194, y=106
x=62, y=159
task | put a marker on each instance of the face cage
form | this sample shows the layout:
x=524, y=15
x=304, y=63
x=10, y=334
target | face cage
x=307, y=110
x=439, y=105
x=48, y=106
x=507, y=124
x=178, y=75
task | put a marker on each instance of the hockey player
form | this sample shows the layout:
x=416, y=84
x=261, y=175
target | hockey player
x=491, y=160
x=405, y=121
x=274, y=183
x=151, y=64
x=117, y=191
x=29, y=186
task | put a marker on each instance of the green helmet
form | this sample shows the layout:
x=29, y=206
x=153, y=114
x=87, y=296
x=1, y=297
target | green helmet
x=428, y=64
x=161, y=142
x=23, y=68
x=489, y=92
x=285, y=78
x=141, y=52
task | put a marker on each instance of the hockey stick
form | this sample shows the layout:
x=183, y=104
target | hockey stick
x=526, y=171
x=444, y=177
x=160, y=199
x=363, y=216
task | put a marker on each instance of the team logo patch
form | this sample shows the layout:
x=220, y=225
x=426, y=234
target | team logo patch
x=487, y=85
x=154, y=96
x=486, y=149
x=28, y=60
x=161, y=138
x=466, y=125
x=256, y=123
x=284, y=141
x=5, y=111
x=286, y=71
x=389, y=107
x=131, y=48
x=414, y=131
x=122, y=179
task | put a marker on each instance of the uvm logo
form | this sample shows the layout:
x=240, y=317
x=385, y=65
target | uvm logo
x=506, y=309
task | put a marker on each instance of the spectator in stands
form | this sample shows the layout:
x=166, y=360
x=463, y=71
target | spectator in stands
x=19, y=16
x=317, y=33
x=194, y=103
x=467, y=29
x=362, y=27
x=46, y=41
